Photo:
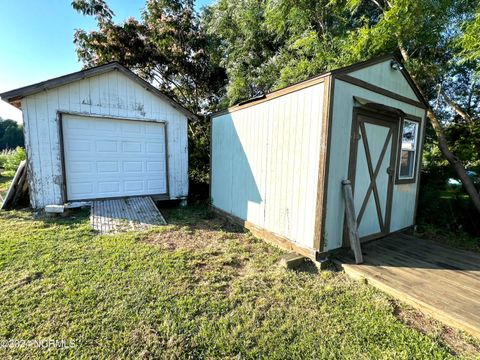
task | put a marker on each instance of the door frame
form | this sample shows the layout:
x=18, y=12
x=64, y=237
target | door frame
x=381, y=117
x=60, y=120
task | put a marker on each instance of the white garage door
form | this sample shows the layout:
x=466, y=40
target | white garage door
x=111, y=158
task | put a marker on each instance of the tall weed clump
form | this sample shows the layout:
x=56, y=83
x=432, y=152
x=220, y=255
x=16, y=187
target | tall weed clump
x=10, y=159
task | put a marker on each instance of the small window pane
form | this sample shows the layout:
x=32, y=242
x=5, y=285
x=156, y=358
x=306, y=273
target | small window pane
x=409, y=135
x=407, y=161
x=408, y=150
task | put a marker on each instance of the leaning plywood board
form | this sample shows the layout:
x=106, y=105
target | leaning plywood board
x=15, y=185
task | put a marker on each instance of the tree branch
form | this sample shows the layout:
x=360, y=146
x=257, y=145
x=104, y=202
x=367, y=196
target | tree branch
x=457, y=108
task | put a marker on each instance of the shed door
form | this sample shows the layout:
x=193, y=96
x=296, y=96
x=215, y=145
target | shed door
x=372, y=166
x=112, y=158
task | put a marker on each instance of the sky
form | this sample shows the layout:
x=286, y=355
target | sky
x=36, y=40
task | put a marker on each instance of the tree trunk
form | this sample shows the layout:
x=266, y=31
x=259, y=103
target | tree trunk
x=454, y=161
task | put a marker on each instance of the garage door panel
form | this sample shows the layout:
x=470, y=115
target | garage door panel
x=138, y=185
x=155, y=147
x=132, y=166
x=106, y=146
x=79, y=145
x=80, y=167
x=154, y=185
x=82, y=188
x=155, y=133
x=107, y=167
x=126, y=158
x=132, y=147
x=129, y=129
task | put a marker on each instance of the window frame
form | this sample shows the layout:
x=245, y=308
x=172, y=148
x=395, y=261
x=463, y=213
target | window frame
x=413, y=179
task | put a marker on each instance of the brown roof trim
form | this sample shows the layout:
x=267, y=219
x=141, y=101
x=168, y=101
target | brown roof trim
x=13, y=96
x=319, y=78
x=379, y=90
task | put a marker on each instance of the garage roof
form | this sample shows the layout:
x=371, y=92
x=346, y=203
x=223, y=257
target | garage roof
x=13, y=96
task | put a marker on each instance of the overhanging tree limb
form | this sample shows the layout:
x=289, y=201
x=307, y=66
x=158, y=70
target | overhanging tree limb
x=457, y=108
x=454, y=161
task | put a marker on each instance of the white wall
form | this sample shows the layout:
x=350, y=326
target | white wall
x=112, y=94
x=403, y=205
x=265, y=163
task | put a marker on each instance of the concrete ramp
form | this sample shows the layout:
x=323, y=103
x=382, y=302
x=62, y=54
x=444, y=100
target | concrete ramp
x=112, y=216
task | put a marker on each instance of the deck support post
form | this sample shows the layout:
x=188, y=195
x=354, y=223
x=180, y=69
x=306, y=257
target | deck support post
x=352, y=221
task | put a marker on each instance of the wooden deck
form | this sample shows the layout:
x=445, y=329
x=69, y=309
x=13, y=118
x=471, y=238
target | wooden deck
x=119, y=215
x=440, y=281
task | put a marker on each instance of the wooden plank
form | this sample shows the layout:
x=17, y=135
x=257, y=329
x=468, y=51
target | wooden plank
x=352, y=221
x=14, y=185
x=420, y=273
x=450, y=316
x=399, y=265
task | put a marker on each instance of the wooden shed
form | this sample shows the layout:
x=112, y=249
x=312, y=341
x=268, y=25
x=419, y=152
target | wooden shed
x=278, y=161
x=102, y=133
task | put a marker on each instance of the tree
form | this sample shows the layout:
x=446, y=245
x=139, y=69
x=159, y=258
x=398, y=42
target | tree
x=438, y=41
x=426, y=35
x=11, y=134
x=168, y=47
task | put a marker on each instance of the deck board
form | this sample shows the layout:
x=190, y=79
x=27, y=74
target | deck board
x=119, y=215
x=441, y=281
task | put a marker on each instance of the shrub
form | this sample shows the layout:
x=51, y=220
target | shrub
x=445, y=207
x=10, y=159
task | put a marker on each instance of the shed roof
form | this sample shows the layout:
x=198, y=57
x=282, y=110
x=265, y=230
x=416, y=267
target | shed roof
x=319, y=78
x=13, y=96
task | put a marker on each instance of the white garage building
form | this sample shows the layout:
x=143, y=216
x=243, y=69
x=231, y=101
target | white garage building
x=102, y=133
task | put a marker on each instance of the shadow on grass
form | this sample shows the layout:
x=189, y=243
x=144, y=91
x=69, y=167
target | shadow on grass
x=307, y=267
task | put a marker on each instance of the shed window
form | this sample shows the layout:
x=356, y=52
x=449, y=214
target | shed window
x=408, y=153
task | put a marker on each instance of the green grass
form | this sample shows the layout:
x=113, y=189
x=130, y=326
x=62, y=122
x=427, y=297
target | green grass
x=4, y=184
x=456, y=239
x=199, y=288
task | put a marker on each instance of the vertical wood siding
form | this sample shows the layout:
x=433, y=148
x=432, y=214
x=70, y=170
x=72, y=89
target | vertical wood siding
x=383, y=76
x=265, y=163
x=403, y=205
x=110, y=94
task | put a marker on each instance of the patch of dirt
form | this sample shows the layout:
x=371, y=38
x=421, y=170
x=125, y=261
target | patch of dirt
x=205, y=234
x=459, y=342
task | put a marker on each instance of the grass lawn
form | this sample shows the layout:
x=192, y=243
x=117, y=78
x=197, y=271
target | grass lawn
x=198, y=288
x=4, y=184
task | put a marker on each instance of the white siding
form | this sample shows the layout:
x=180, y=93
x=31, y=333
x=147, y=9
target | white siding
x=382, y=75
x=112, y=94
x=265, y=163
x=403, y=206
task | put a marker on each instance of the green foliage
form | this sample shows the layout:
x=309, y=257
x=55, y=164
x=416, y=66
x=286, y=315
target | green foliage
x=133, y=296
x=265, y=45
x=469, y=42
x=11, y=134
x=168, y=47
x=10, y=159
x=445, y=207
